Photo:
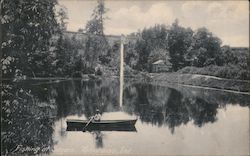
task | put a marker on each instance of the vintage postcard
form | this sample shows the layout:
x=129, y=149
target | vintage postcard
x=125, y=77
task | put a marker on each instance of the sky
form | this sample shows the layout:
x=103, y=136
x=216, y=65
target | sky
x=228, y=20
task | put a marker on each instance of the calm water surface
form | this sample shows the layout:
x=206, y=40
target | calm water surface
x=171, y=120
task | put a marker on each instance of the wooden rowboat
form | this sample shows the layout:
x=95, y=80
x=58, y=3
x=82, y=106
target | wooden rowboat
x=103, y=125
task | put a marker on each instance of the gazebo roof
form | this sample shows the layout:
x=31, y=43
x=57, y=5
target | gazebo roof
x=159, y=62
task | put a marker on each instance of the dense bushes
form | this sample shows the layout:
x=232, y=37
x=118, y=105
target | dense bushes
x=235, y=65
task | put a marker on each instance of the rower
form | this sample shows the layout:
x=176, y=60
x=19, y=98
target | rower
x=97, y=116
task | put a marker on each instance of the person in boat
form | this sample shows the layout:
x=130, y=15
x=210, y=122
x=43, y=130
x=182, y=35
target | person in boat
x=97, y=116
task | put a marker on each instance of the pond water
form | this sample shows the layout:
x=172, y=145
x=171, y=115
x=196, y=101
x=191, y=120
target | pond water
x=171, y=120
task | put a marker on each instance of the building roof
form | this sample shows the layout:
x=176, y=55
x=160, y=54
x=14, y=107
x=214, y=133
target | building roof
x=159, y=62
x=109, y=36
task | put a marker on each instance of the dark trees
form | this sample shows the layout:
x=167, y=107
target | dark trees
x=179, y=40
x=206, y=49
x=96, y=47
x=95, y=25
x=149, y=41
x=27, y=29
x=181, y=46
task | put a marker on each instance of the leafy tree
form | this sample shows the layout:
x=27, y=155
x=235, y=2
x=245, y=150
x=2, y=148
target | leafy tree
x=143, y=53
x=63, y=57
x=179, y=40
x=206, y=48
x=228, y=55
x=131, y=56
x=62, y=17
x=149, y=40
x=95, y=25
x=114, y=55
x=27, y=29
x=96, y=47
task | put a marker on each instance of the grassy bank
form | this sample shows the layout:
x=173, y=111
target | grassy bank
x=229, y=71
x=201, y=80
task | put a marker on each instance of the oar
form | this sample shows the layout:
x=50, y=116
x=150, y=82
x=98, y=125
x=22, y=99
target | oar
x=87, y=123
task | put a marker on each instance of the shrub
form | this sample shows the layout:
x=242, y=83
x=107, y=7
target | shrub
x=98, y=72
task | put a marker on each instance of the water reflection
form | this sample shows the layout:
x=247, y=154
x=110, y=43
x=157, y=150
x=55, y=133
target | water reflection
x=98, y=138
x=162, y=105
x=30, y=109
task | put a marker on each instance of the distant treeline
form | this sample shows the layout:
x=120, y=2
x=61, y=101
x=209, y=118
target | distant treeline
x=34, y=45
x=187, y=50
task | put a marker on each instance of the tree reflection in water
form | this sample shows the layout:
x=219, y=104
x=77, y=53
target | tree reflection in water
x=30, y=108
x=162, y=105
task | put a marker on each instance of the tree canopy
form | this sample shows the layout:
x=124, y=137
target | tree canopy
x=96, y=46
x=206, y=49
x=27, y=29
x=179, y=41
x=147, y=42
x=96, y=24
x=180, y=46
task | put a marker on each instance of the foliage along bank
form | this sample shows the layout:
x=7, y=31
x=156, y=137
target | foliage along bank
x=187, y=51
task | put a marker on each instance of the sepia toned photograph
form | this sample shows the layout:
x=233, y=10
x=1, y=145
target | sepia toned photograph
x=125, y=78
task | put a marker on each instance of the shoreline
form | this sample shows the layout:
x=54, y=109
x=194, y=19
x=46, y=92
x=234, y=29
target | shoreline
x=188, y=80
x=202, y=81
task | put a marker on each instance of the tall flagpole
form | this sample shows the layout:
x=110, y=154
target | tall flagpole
x=121, y=70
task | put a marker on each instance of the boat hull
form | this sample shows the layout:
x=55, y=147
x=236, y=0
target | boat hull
x=103, y=125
